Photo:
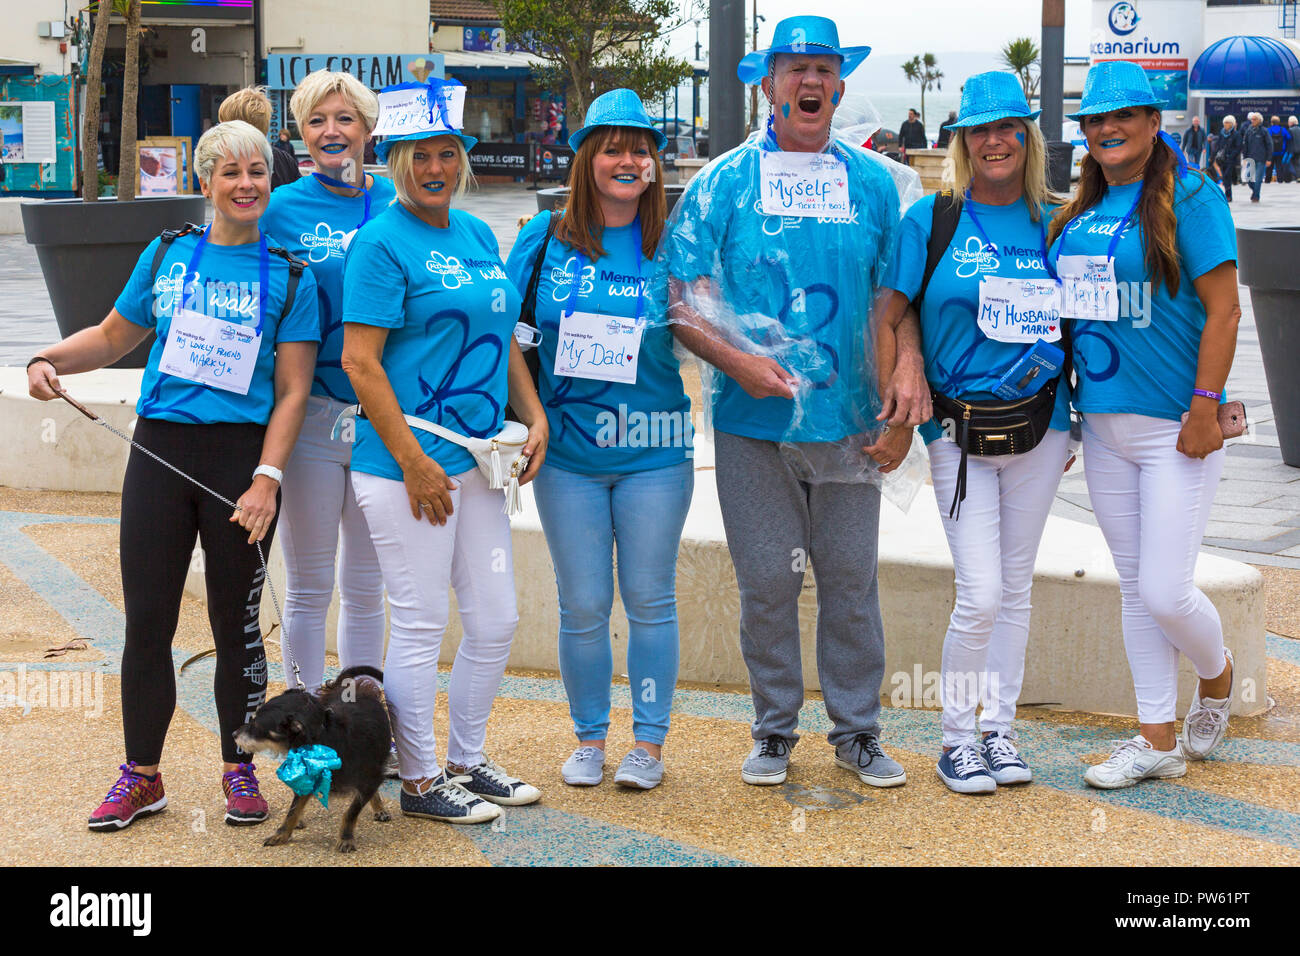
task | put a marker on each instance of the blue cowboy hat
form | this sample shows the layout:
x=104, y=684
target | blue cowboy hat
x=437, y=122
x=1115, y=85
x=992, y=96
x=803, y=34
x=616, y=108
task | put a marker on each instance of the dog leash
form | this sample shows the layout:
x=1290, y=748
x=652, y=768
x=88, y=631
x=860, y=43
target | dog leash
x=266, y=573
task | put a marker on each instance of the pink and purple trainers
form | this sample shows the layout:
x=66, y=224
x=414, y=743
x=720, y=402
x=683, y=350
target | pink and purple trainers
x=245, y=805
x=134, y=795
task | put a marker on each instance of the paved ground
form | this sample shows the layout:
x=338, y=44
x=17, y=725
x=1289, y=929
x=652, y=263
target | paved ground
x=59, y=582
x=58, y=575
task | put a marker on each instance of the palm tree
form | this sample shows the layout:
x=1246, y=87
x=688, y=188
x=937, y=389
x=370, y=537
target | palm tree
x=1021, y=55
x=923, y=69
x=126, y=166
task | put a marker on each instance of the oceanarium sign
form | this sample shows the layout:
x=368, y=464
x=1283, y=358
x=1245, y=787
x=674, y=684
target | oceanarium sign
x=1162, y=36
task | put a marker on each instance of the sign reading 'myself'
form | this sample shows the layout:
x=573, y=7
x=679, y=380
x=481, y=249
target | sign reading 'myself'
x=286, y=71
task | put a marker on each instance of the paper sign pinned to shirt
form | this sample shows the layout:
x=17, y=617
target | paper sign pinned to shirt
x=804, y=184
x=1020, y=310
x=601, y=347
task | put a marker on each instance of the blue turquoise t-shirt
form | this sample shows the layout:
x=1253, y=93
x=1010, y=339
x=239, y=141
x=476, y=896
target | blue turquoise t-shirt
x=226, y=286
x=316, y=226
x=600, y=427
x=960, y=360
x=799, y=288
x=1146, y=364
x=451, y=311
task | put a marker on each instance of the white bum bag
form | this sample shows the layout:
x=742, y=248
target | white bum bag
x=501, y=458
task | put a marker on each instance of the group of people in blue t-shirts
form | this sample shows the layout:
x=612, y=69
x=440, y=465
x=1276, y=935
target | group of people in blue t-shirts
x=345, y=351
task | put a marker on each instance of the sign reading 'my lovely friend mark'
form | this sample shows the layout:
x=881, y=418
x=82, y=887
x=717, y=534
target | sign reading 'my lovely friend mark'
x=407, y=110
x=804, y=184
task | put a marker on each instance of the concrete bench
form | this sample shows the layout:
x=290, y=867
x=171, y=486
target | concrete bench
x=1075, y=659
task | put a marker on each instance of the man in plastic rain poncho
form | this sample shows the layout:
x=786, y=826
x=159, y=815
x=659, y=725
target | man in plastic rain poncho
x=769, y=267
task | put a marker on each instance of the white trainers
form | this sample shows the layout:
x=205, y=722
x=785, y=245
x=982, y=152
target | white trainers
x=585, y=767
x=1206, y=723
x=1136, y=760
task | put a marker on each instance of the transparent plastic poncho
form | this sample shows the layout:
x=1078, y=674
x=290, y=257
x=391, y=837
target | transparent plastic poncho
x=799, y=290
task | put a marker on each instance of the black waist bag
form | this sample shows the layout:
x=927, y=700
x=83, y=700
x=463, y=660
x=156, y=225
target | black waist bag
x=993, y=427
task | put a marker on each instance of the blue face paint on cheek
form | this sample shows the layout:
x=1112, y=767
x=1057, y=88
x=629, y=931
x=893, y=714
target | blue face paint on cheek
x=785, y=110
x=835, y=99
x=1020, y=138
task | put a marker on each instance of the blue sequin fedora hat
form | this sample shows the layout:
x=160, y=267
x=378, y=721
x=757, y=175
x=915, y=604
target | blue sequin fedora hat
x=437, y=122
x=1115, y=85
x=803, y=34
x=992, y=96
x=616, y=108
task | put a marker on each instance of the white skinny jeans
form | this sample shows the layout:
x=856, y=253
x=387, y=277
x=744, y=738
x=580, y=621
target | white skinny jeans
x=993, y=545
x=472, y=553
x=1152, y=503
x=316, y=503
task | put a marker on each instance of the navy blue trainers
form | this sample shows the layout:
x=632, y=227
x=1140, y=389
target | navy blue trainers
x=448, y=801
x=1005, y=763
x=491, y=782
x=963, y=770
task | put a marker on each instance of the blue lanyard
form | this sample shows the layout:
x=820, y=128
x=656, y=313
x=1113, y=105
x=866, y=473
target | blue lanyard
x=1114, y=240
x=989, y=245
x=640, y=284
x=263, y=272
x=365, y=218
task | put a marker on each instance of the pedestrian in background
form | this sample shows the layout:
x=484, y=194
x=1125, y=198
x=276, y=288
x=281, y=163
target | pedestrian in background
x=911, y=135
x=1194, y=143
x=945, y=130
x=1228, y=154
x=1280, y=139
x=1293, y=148
x=1257, y=152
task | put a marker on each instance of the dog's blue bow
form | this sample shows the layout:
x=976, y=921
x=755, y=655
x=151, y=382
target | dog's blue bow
x=306, y=771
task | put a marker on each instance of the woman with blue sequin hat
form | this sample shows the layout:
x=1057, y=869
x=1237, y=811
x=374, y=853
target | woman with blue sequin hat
x=1146, y=253
x=989, y=228
x=428, y=345
x=584, y=272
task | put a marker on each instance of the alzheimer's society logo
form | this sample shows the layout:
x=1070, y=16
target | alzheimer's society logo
x=562, y=280
x=323, y=243
x=1123, y=19
x=454, y=275
x=974, y=259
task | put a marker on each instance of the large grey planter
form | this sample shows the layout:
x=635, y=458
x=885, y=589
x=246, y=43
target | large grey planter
x=87, y=251
x=1268, y=262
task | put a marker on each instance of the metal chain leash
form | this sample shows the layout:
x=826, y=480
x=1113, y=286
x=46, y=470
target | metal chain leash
x=266, y=572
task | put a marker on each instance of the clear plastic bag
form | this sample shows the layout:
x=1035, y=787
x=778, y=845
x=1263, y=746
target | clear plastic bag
x=796, y=291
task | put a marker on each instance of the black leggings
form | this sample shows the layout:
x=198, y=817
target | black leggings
x=161, y=515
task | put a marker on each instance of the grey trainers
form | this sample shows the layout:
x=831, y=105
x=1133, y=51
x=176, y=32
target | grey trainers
x=640, y=770
x=767, y=762
x=1207, y=720
x=585, y=767
x=873, y=766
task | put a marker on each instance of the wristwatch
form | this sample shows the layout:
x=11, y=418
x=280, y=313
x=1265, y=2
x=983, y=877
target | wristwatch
x=271, y=472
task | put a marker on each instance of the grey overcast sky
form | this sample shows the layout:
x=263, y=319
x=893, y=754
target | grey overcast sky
x=917, y=26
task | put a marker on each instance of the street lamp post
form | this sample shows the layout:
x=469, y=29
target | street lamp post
x=726, y=92
x=1052, y=95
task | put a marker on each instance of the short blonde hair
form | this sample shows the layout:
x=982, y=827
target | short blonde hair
x=400, y=162
x=250, y=105
x=1230, y=120
x=232, y=138
x=320, y=84
x=958, y=171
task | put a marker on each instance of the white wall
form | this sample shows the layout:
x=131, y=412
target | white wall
x=345, y=26
x=1251, y=21
x=18, y=39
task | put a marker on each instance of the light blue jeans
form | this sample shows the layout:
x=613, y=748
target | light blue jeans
x=583, y=517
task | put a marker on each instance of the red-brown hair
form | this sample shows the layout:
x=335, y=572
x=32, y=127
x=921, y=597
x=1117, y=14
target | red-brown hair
x=582, y=224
